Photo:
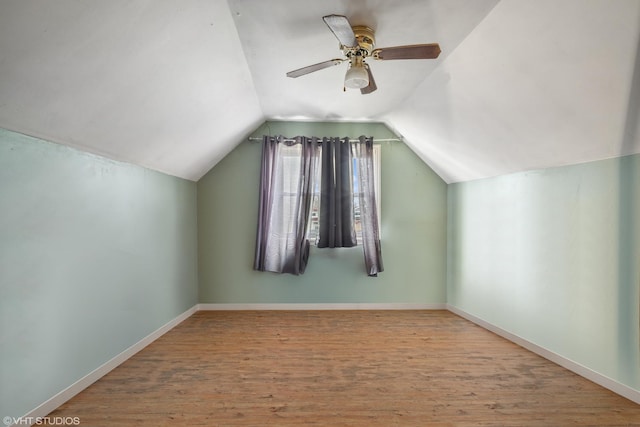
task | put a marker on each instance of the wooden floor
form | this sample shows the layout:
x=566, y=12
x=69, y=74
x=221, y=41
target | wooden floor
x=341, y=368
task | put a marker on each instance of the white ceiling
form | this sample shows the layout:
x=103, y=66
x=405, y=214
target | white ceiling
x=176, y=85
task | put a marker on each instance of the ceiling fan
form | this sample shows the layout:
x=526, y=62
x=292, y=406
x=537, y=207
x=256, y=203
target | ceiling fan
x=357, y=44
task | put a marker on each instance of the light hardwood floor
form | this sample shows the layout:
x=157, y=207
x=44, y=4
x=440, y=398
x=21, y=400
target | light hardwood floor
x=342, y=368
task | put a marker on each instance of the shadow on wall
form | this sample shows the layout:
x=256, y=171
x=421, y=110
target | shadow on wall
x=628, y=237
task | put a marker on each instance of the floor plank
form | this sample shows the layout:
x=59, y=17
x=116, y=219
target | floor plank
x=341, y=368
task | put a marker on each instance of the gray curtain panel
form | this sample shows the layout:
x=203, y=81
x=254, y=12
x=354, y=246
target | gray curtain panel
x=363, y=151
x=336, y=197
x=286, y=183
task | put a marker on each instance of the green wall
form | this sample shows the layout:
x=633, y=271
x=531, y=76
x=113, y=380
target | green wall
x=553, y=257
x=413, y=227
x=94, y=256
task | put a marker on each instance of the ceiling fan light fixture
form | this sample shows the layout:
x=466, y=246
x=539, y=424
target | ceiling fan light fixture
x=356, y=77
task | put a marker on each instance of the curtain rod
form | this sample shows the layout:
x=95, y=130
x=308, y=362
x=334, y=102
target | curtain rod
x=256, y=138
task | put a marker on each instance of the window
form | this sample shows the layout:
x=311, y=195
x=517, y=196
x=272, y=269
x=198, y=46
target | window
x=314, y=221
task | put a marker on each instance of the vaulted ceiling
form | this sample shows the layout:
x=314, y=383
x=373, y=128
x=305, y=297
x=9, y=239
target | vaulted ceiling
x=176, y=85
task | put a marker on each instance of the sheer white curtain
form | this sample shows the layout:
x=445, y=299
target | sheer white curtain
x=363, y=152
x=286, y=183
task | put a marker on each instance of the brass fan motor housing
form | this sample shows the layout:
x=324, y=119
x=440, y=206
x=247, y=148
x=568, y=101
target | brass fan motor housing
x=365, y=37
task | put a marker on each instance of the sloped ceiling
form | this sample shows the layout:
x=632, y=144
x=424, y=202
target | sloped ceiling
x=536, y=84
x=175, y=85
x=159, y=83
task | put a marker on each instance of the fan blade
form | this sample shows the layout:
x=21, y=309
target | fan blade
x=415, y=51
x=372, y=83
x=341, y=28
x=315, y=67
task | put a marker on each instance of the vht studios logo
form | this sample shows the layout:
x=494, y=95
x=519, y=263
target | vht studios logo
x=39, y=421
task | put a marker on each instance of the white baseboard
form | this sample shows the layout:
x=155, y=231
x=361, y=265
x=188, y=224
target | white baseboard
x=47, y=407
x=322, y=306
x=583, y=371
